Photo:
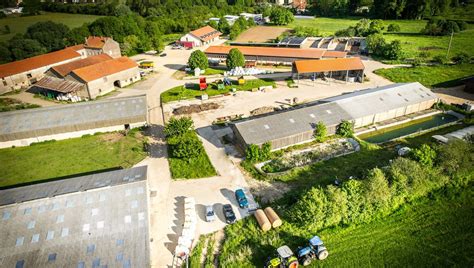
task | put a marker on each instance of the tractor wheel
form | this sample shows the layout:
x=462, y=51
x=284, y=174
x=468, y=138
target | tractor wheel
x=306, y=261
x=323, y=254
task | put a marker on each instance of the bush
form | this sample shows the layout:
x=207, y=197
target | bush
x=424, y=155
x=198, y=60
x=235, y=59
x=185, y=146
x=301, y=31
x=345, y=129
x=440, y=59
x=393, y=27
x=254, y=153
x=320, y=132
x=461, y=58
x=281, y=16
x=178, y=127
x=443, y=27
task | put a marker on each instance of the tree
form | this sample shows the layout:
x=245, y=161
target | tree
x=31, y=7
x=461, y=57
x=377, y=190
x=5, y=54
x=185, y=146
x=22, y=48
x=393, y=50
x=310, y=209
x=345, y=129
x=78, y=35
x=122, y=10
x=424, y=155
x=320, y=132
x=130, y=45
x=49, y=34
x=252, y=153
x=457, y=157
x=265, y=151
x=223, y=26
x=198, y=60
x=281, y=16
x=393, y=27
x=213, y=24
x=178, y=126
x=235, y=58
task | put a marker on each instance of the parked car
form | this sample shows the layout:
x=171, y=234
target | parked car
x=241, y=198
x=228, y=213
x=210, y=215
x=163, y=55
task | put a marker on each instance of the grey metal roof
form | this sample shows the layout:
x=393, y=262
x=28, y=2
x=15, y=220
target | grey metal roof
x=461, y=134
x=81, y=238
x=72, y=185
x=378, y=100
x=83, y=113
x=288, y=123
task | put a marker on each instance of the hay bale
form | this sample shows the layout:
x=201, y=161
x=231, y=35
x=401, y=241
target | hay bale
x=273, y=217
x=262, y=220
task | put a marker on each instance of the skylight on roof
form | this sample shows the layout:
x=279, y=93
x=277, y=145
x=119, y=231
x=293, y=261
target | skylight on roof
x=19, y=241
x=35, y=238
x=102, y=197
x=119, y=257
x=94, y=211
x=128, y=219
x=120, y=242
x=134, y=204
x=141, y=216
x=90, y=248
x=64, y=232
x=60, y=218
x=69, y=204
x=50, y=235
x=31, y=224
x=27, y=211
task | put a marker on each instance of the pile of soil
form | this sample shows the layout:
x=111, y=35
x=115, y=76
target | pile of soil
x=262, y=110
x=195, y=108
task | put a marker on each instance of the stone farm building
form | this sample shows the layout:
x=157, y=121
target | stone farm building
x=77, y=222
x=90, y=77
x=201, y=36
x=272, y=55
x=21, y=128
x=23, y=73
x=362, y=108
x=344, y=68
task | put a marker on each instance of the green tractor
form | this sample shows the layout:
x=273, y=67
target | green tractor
x=285, y=259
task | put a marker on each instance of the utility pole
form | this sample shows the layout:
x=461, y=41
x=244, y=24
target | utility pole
x=450, y=41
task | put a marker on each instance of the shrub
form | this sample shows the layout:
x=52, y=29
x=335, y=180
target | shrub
x=178, y=126
x=281, y=16
x=424, y=155
x=320, y=132
x=235, y=59
x=393, y=27
x=254, y=153
x=301, y=31
x=345, y=129
x=185, y=146
x=439, y=59
x=198, y=60
x=443, y=27
x=461, y=58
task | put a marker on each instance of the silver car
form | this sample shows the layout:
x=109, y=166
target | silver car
x=210, y=215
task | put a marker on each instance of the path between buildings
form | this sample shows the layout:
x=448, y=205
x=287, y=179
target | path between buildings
x=30, y=98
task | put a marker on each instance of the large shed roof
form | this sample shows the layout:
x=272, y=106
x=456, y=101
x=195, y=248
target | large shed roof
x=300, y=53
x=328, y=65
x=381, y=99
x=72, y=117
x=206, y=33
x=288, y=123
x=104, y=68
x=65, y=69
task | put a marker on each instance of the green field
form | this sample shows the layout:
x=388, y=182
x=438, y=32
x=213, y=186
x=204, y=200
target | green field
x=20, y=24
x=412, y=41
x=49, y=160
x=429, y=76
x=182, y=93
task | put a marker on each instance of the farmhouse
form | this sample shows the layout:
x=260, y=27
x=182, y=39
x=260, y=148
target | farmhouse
x=201, y=36
x=21, y=128
x=89, y=77
x=77, y=222
x=95, y=45
x=348, y=69
x=267, y=55
x=363, y=108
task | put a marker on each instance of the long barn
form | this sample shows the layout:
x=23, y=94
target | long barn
x=362, y=108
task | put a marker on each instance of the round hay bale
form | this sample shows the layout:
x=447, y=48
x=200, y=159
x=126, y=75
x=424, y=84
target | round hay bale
x=273, y=217
x=262, y=220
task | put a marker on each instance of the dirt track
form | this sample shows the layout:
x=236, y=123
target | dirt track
x=260, y=34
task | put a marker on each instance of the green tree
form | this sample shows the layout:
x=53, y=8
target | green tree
x=310, y=209
x=198, y=60
x=223, y=26
x=252, y=153
x=213, y=24
x=265, y=151
x=461, y=57
x=377, y=190
x=5, y=54
x=31, y=7
x=320, y=132
x=337, y=206
x=78, y=35
x=393, y=27
x=130, y=45
x=457, y=158
x=345, y=129
x=281, y=16
x=178, y=126
x=424, y=155
x=185, y=146
x=25, y=48
x=122, y=10
x=393, y=50
x=49, y=34
x=235, y=58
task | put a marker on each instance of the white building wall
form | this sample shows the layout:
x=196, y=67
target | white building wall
x=105, y=85
x=191, y=38
x=69, y=135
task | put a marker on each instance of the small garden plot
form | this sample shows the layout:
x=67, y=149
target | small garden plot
x=313, y=154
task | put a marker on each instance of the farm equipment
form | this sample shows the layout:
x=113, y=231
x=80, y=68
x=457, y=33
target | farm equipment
x=241, y=80
x=202, y=83
x=315, y=250
x=147, y=64
x=285, y=259
x=227, y=81
x=220, y=85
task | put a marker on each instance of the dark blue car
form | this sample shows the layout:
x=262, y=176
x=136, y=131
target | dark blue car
x=241, y=198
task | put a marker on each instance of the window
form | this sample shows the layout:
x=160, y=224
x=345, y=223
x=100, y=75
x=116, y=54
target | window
x=31, y=224
x=52, y=257
x=55, y=206
x=141, y=216
x=41, y=208
x=312, y=115
x=19, y=241
x=69, y=204
x=81, y=264
x=292, y=120
x=100, y=224
x=28, y=76
x=4, y=82
x=134, y=204
x=128, y=219
x=86, y=227
x=20, y=264
x=120, y=242
x=102, y=197
x=60, y=218
x=64, y=232
x=89, y=200
x=328, y=111
x=128, y=192
x=119, y=257
x=94, y=211
x=6, y=215
x=27, y=211
x=35, y=238
x=50, y=235
x=140, y=190
x=266, y=126
x=90, y=248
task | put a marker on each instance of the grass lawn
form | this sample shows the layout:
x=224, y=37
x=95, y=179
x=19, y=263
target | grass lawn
x=49, y=160
x=192, y=168
x=182, y=93
x=412, y=41
x=430, y=76
x=19, y=24
x=8, y=104
x=430, y=232
x=209, y=71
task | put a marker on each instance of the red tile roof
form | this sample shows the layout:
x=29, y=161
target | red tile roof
x=95, y=41
x=65, y=69
x=328, y=65
x=36, y=62
x=303, y=53
x=77, y=47
x=206, y=33
x=99, y=70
